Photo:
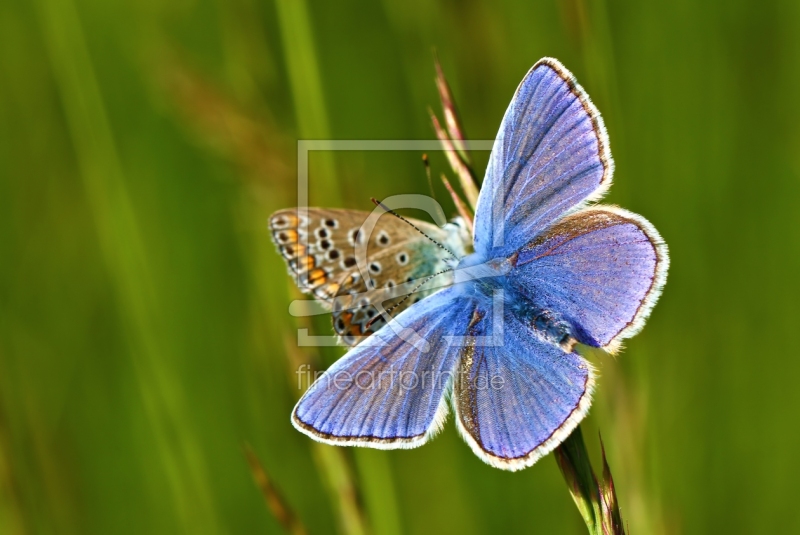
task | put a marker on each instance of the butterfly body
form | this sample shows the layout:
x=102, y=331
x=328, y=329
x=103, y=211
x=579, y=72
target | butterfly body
x=486, y=281
x=496, y=323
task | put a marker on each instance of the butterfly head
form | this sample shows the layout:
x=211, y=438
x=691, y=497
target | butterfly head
x=476, y=266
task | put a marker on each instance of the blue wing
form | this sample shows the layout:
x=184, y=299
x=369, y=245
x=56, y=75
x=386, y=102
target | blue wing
x=550, y=155
x=600, y=269
x=517, y=400
x=389, y=392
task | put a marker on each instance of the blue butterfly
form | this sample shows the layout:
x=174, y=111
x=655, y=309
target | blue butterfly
x=494, y=335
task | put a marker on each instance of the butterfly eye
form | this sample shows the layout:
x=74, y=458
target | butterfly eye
x=389, y=284
x=333, y=254
x=349, y=262
x=325, y=244
x=332, y=223
x=322, y=233
x=402, y=258
x=375, y=267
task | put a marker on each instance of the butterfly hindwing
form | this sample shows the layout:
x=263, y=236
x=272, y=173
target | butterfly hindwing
x=550, y=155
x=601, y=269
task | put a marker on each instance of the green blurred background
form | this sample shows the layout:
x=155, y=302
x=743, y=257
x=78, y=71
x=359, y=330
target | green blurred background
x=144, y=328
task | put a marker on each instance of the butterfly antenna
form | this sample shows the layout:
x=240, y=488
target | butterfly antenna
x=379, y=203
x=404, y=299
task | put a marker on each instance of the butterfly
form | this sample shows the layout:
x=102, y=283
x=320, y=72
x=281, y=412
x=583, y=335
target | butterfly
x=488, y=327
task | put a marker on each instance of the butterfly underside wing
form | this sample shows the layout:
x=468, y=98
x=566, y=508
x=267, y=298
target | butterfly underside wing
x=321, y=248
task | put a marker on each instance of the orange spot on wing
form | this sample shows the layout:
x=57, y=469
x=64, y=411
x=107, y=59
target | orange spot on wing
x=303, y=264
x=290, y=235
x=316, y=277
x=351, y=328
x=332, y=289
x=300, y=249
x=355, y=330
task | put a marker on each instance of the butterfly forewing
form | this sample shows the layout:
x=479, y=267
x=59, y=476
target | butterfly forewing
x=390, y=393
x=551, y=154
